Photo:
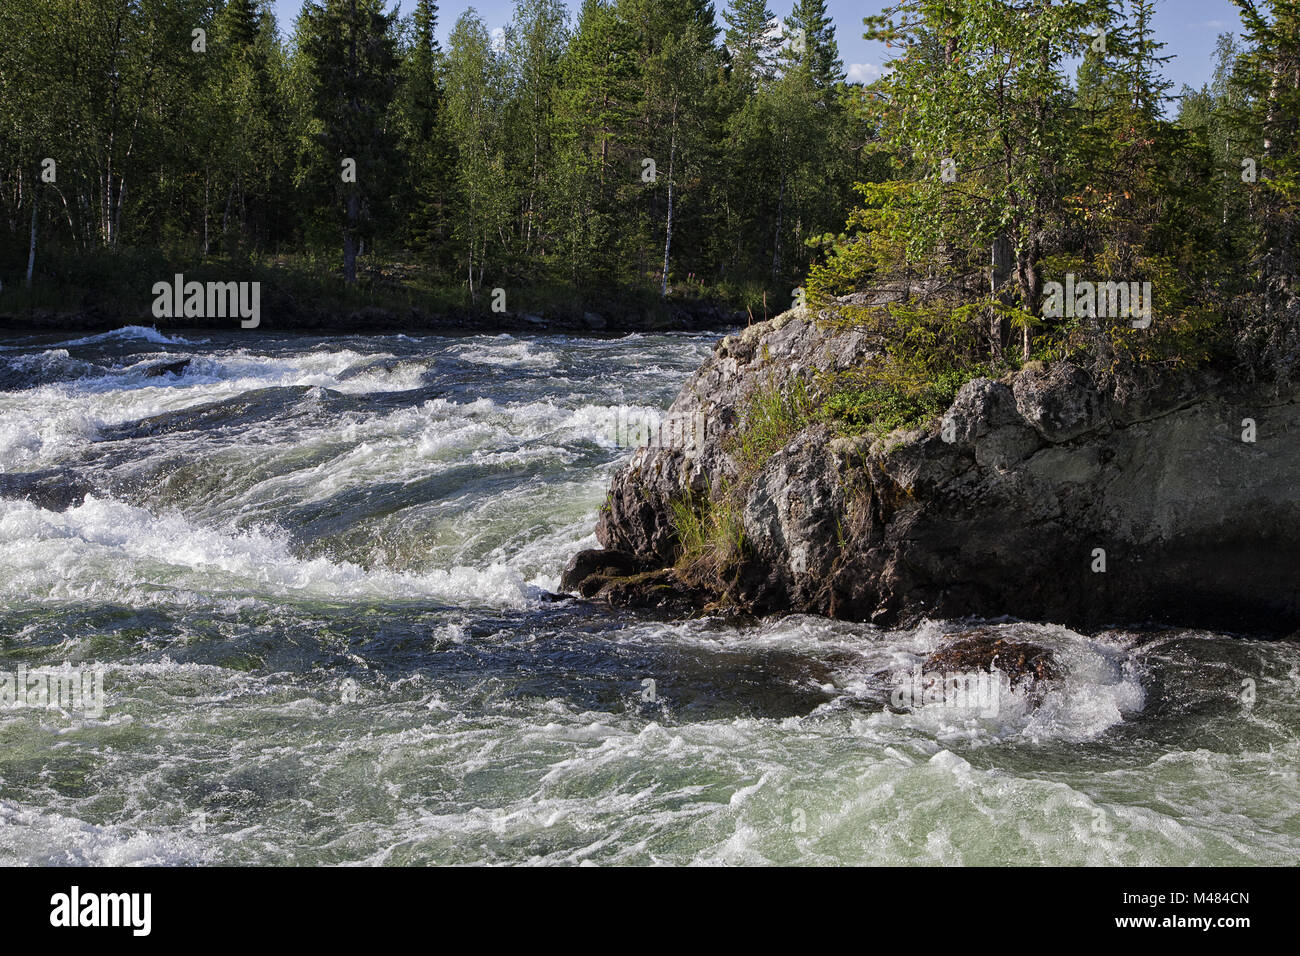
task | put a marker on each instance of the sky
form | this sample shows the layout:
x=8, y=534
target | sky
x=1189, y=27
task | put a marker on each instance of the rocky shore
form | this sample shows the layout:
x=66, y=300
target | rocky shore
x=1038, y=496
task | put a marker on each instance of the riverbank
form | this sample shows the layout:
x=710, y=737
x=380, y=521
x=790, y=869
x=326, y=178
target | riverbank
x=100, y=291
x=284, y=314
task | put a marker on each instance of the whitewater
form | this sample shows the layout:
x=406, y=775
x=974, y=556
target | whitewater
x=319, y=576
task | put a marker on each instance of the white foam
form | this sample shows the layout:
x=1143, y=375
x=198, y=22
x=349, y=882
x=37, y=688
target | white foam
x=143, y=333
x=106, y=550
x=31, y=836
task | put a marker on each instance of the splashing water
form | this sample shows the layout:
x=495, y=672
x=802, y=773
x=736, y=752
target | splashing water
x=316, y=575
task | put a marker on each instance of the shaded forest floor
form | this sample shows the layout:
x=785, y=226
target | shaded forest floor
x=101, y=290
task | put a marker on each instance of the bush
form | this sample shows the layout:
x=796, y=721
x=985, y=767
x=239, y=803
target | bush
x=710, y=530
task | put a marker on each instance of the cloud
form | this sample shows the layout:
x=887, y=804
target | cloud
x=863, y=72
x=499, y=39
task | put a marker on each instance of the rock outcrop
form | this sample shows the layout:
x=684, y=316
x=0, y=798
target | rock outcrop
x=1037, y=496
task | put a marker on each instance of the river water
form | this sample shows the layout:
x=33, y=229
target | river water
x=316, y=576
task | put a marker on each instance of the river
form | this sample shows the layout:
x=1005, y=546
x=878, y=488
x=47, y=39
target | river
x=317, y=575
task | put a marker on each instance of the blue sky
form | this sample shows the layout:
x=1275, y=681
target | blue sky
x=1189, y=27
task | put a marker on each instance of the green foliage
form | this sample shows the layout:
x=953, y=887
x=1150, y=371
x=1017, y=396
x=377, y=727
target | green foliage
x=753, y=52
x=860, y=404
x=710, y=531
x=517, y=166
x=1001, y=177
x=812, y=48
x=352, y=50
x=772, y=417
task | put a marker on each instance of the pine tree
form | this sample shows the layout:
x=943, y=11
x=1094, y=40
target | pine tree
x=244, y=178
x=426, y=141
x=240, y=21
x=750, y=41
x=598, y=103
x=1268, y=73
x=1143, y=62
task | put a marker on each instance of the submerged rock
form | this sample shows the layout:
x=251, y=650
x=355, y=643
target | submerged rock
x=52, y=490
x=167, y=368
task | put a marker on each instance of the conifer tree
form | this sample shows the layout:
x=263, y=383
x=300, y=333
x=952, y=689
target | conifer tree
x=353, y=52
x=750, y=41
x=426, y=142
x=811, y=44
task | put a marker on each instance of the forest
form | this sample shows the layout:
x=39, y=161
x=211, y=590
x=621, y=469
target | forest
x=1036, y=149
x=646, y=147
x=667, y=147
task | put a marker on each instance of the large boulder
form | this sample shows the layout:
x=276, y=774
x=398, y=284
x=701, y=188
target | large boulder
x=1020, y=661
x=1060, y=401
x=1037, y=496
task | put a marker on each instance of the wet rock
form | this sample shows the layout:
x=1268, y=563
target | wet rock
x=1020, y=661
x=1041, y=475
x=597, y=563
x=662, y=590
x=51, y=490
x=167, y=368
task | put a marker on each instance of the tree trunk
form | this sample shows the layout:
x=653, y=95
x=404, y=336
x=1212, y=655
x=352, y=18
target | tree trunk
x=117, y=216
x=207, y=189
x=668, y=241
x=350, y=242
x=1001, y=266
x=1030, y=279
x=31, y=247
x=776, y=235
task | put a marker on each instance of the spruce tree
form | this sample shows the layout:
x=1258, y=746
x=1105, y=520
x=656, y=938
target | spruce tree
x=1268, y=74
x=750, y=41
x=353, y=52
x=810, y=35
x=426, y=142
